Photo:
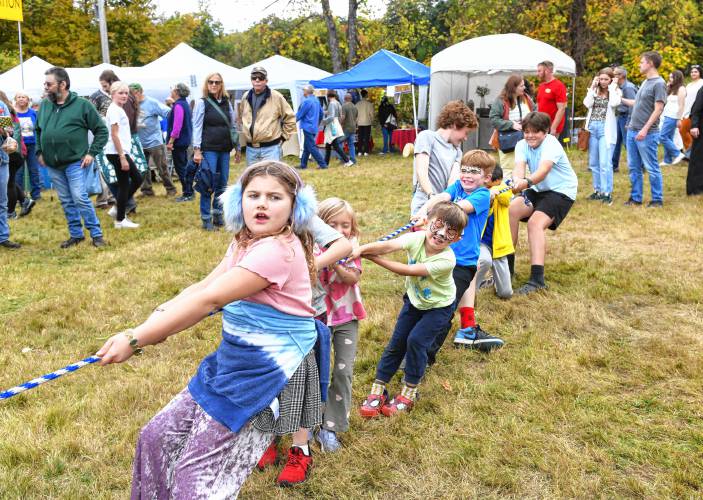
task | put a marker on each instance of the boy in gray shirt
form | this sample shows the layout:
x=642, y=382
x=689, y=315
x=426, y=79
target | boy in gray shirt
x=643, y=132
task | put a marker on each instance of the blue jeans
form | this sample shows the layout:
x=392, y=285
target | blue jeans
x=255, y=155
x=600, y=158
x=309, y=148
x=350, y=140
x=35, y=183
x=666, y=138
x=386, y=139
x=414, y=333
x=622, y=137
x=70, y=186
x=4, y=178
x=644, y=154
x=218, y=163
x=184, y=169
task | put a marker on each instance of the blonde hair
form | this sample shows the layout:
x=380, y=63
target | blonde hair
x=223, y=92
x=22, y=93
x=331, y=207
x=117, y=86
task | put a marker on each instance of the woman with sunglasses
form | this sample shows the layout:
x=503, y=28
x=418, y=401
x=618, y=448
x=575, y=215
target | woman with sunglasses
x=213, y=120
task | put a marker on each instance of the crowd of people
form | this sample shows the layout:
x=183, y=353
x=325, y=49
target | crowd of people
x=289, y=284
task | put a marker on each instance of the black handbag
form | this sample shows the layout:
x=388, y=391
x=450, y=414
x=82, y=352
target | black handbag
x=507, y=140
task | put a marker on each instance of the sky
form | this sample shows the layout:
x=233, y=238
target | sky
x=238, y=15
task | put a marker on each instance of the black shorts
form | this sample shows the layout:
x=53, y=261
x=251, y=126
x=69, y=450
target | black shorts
x=555, y=205
x=463, y=276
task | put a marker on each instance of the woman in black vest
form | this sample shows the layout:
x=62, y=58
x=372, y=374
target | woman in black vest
x=213, y=121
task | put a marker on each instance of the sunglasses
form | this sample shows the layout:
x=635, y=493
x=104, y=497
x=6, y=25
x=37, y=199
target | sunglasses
x=449, y=234
x=470, y=170
x=258, y=78
x=214, y=82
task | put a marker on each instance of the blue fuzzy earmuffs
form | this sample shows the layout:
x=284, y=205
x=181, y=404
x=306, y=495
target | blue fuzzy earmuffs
x=304, y=207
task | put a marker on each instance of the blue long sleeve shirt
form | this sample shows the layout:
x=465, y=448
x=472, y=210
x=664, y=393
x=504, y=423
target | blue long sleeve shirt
x=309, y=114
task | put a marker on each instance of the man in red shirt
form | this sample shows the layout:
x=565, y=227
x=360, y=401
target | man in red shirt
x=551, y=97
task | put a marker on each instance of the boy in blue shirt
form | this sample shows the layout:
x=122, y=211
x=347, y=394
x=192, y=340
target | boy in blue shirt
x=470, y=193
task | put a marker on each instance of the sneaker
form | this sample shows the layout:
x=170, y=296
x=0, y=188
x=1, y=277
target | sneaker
x=664, y=164
x=27, y=207
x=12, y=216
x=530, y=287
x=126, y=224
x=99, y=242
x=366, y=154
x=678, y=159
x=148, y=193
x=397, y=405
x=371, y=407
x=487, y=283
x=328, y=441
x=71, y=241
x=607, y=199
x=11, y=245
x=632, y=203
x=381, y=153
x=171, y=193
x=475, y=338
x=349, y=164
x=207, y=225
x=112, y=212
x=655, y=204
x=297, y=468
x=300, y=167
x=217, y=220
x=595, y=196
x=270, y=456
x=181, y=199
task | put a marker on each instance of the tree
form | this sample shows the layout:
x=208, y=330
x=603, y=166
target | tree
x=332, y=37
x=352, y=39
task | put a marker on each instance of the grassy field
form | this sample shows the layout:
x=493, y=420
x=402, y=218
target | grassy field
x=597, y=393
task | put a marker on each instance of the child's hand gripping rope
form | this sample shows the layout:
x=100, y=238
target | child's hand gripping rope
x=387, y=237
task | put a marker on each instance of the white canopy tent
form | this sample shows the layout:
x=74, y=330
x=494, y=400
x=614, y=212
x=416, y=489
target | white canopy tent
x=34, y=68
x=487, y=61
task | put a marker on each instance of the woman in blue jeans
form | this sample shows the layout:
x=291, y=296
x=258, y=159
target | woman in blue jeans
x=213, y=120
x=602, y=98
x=673, y=113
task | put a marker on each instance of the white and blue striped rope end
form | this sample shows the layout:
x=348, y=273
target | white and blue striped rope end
x=48, y=377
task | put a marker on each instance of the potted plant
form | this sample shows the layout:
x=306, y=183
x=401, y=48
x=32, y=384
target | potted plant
x=482, y=91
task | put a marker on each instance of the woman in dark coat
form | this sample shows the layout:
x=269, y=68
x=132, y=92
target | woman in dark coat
x=694, y=179
x=388, y=119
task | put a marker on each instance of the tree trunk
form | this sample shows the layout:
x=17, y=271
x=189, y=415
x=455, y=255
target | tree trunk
x=332, y=37
x=580, y=36
x=352, y=40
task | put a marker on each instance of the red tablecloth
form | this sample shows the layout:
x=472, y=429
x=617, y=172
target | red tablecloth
x=402, y=136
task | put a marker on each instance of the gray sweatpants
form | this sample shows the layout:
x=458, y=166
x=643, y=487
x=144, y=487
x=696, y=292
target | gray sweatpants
x=158, y=156
x=339, y=395
x=501, y=272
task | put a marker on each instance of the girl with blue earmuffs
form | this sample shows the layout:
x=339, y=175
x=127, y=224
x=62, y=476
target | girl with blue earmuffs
x=263, y=379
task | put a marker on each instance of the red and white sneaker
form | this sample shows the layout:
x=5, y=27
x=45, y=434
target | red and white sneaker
x=371, y=407
x=397, y=405
x=270, y=456
x=297, y=468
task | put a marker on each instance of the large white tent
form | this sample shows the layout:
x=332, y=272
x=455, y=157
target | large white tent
x=487, y=61
x=34, y=68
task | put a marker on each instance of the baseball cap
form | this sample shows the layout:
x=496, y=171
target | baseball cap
x=136, y=86
x=260, y=70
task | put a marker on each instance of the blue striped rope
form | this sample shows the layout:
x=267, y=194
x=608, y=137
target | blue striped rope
x=48, y=377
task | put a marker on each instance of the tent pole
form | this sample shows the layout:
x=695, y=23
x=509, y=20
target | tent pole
x=573, y=98
x=19, y=36
x=412, y=86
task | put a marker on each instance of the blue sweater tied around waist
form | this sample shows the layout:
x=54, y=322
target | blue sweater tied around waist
x=260, y=350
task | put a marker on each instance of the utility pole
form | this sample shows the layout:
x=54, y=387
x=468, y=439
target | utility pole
x=102, y=22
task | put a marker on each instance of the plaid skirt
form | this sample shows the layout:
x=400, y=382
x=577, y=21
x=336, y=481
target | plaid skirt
x=299, y=402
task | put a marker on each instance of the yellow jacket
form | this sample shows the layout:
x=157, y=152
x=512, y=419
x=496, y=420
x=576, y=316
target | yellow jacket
x=274, y=120
x=502, y=240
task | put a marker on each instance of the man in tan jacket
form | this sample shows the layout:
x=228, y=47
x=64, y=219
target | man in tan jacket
x=364, y=122
x=267, y=120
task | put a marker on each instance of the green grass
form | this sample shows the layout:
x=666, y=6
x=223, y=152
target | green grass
x=597, y=393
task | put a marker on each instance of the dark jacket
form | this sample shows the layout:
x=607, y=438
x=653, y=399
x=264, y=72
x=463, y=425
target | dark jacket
x=384, y=111
x=216, y=136
x=62, y=131
x=183, y=140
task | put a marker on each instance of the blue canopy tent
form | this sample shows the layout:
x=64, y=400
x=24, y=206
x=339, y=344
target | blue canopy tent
x=381, y=69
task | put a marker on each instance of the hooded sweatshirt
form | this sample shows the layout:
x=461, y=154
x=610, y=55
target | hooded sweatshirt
x=62, y=131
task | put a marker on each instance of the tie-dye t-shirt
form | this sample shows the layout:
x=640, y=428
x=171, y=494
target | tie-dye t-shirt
x=437, y=289
x=343, y=301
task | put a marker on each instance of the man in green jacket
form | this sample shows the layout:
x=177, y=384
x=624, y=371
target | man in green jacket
x=63, y=123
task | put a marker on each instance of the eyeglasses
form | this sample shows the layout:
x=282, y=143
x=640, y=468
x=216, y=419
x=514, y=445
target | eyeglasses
x=48, y=85
x=470, y=170
x=258, y=78
x=214, y=82
x=449, y=234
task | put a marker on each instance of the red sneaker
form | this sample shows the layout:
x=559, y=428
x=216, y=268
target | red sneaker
x=296, y=469
x=371, y=407
x=270, y=456
x=396, y=405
